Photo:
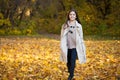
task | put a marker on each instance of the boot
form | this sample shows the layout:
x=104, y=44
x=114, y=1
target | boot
x=70, y=77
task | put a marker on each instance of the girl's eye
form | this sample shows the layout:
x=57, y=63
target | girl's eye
x=72, y=14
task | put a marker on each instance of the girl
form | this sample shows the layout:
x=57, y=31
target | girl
x=72, y=44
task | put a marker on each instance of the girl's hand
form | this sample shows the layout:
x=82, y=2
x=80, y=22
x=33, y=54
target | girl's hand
x=65, y=27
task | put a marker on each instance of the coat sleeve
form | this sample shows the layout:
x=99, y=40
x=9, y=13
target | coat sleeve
x=83, y=44
x=62, y=30
x=80, y=31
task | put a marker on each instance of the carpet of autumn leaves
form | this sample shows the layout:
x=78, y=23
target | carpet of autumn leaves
x=37, y=58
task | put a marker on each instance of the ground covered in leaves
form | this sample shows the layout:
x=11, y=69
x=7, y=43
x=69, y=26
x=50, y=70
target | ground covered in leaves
x=37, y=58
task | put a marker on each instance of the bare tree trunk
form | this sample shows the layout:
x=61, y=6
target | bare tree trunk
x=21, y=16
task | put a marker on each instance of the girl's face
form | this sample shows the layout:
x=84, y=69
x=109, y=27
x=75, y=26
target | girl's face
x=72, y=16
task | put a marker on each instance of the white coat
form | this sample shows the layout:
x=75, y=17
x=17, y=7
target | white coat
x=80, y=47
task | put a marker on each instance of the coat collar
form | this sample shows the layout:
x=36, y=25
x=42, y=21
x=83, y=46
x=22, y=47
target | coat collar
x=76, y=23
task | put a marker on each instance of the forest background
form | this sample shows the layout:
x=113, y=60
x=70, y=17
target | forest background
x=34, y=17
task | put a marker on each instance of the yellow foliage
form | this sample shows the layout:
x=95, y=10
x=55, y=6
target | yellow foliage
x=38, y=59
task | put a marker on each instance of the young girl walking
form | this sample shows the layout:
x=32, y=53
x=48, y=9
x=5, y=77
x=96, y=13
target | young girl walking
x=72, y=43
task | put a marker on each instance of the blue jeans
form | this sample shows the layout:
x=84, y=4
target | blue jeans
x=71, y=58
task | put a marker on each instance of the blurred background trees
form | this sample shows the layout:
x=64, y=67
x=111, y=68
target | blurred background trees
x=29, y=17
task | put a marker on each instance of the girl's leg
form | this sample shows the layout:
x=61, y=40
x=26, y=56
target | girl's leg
x=69, y=59
x=73, y=61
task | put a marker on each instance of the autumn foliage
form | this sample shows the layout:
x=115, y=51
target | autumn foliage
x=38, y=59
